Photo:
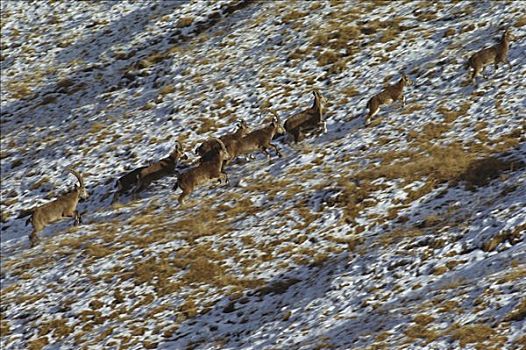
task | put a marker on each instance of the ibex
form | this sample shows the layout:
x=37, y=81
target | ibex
x=496, y=54
x=390, y=94
x=140, y=178
x=63, y=206
x=206, y=149
x=209, y=169
x=260, y=139
x=310, y=119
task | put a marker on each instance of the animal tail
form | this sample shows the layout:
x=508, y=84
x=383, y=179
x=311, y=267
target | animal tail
x=28, y=220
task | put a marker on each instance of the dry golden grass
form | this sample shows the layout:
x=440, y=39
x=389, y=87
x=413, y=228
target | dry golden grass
x=58, y=327
x=398, y=235
x=422, y=332
x=518, y=313
x=37, y=344
x=327, y=57
x=184, y=22
x=472, y=333
x=452, y=115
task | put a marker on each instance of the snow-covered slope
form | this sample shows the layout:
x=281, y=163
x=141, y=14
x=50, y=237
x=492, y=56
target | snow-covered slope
x=405, y=234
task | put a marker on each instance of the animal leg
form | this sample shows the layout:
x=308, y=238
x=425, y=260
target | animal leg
x=224, y=177
x=78, y=218
x=276, y=149
x=324, y=127
x=295, y=134
x=372, y=113
x=264, y=150
x=182, y=196
x=300, y=136
x=403, y=101
x=115, y=198
x=33, y=239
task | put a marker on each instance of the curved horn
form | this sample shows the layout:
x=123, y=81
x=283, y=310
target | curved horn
x=178, y=146
x=221, y=144
x=275, y=114
x=77, y=175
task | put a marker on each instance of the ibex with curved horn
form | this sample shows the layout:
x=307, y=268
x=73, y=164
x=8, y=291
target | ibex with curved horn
x=205, y=150
x=206, y=170
x=308, y=120
x=63, y=206
x=260, y=139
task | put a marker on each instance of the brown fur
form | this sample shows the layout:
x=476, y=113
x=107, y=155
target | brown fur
x=142, y=177
x=259, y=139
x=307, y=120
x=63, y=206
x=209, y=147
x=389, y=95
x=203, y=172
x=495, y=54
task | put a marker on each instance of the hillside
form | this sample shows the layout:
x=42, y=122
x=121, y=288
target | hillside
x=408, y=233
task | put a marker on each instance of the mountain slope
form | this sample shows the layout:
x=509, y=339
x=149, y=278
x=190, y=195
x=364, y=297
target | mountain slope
x=405, y=234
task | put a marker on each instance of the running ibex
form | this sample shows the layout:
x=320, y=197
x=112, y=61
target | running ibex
x=308, y=120
x=63, y=206
x=390, y=94
x=140, y=178
x=209, y=169
x=259, y=139
x=205, y=150
x=496, y=54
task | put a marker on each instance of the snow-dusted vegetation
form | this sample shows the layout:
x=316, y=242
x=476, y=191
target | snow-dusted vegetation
x=407, y=233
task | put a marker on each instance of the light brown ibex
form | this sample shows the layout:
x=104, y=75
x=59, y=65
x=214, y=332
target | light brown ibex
x=140, y=178
x=390, y=94
x=496, y=54
x=206, y=149
x=206, y=170
x=259, y=139
x=63, y=206
x=308, y=120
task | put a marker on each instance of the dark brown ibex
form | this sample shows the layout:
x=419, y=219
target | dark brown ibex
x=63, y=206
x=206, y=170
x=140, y=178
x=390, y=94
x=259, y=139
x=495, y=54
x=308, y=120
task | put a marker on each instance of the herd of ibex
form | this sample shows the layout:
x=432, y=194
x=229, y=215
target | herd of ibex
x=216, y=153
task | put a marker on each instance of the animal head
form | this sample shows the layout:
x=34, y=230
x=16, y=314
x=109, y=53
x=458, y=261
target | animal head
x=317, y=95
x=178, y=152
x=507, y=35
x=80, y=187
x=407, y=81
x=203, y=148
x=211, y=147
x=221, y=151
x=242, y=127
x=276, y=122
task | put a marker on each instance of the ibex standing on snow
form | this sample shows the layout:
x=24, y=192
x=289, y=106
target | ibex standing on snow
x=63, y=206
x=140, y=178
x=495, y=54
x=390, y=94
x=309, y=119
x=206, y=170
